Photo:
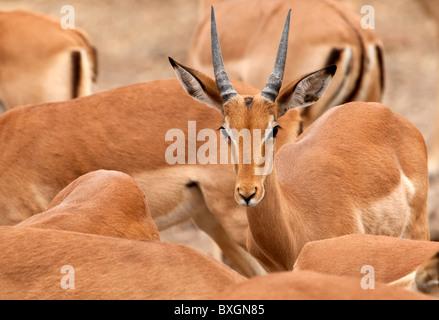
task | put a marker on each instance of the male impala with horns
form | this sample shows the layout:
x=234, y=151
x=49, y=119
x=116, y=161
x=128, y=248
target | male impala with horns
x=360, y=168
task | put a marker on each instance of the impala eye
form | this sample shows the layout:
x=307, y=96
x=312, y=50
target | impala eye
x=275, y=130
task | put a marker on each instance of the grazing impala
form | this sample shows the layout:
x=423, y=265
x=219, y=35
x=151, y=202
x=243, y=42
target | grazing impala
x=41, y=62
x=103, y=202
x=324, y=33
x=104, y=267
x=360, y=168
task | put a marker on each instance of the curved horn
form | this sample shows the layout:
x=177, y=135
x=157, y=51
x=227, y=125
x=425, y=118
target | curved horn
x=271, y=90
x=223, y=83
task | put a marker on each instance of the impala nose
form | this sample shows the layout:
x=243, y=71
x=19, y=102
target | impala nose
x=247, y=195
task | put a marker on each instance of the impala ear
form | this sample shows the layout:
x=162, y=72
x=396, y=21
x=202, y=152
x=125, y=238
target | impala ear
x=198, y=86
x=305, y=91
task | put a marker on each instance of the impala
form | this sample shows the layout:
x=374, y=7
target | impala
x=391, y=258
x=308, y=285
x=433, y=8
x=46, y=147
x=409, y=264
x=104, y=267
x=103, y=202
x=324, y=33
x=360, y=168
x=41, y=62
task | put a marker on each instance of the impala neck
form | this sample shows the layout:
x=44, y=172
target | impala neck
x=275, y=227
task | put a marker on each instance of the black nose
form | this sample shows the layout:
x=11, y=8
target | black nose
x=247, y=198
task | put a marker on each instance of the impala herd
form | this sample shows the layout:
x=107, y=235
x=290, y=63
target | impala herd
x=84, y=182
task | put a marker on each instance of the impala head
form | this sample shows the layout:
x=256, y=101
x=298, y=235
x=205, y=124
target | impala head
x=255, y=116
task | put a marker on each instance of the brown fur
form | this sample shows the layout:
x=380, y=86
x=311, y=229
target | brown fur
x=106, y=203
x=433, y=159
x=307, y=285
x=346, y=200
x=249, y=39
x=360, y=168
x=391, y=258
x=102, y=203
x=37, y=54
x=331, y=152
x=105, y=267
x=46, y=147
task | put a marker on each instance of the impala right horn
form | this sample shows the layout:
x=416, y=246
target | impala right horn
x=223, y=83
x=271, y=90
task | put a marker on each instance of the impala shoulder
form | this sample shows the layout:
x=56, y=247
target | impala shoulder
x=110, y=175
x=363, y=105
x=367, y=112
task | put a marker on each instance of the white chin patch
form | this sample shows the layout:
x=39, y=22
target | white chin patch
x=252, y=203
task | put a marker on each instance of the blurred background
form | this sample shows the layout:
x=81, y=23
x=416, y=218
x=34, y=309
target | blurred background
x=134, y=39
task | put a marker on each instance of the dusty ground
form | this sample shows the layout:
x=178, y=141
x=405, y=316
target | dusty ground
x=134, y=39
